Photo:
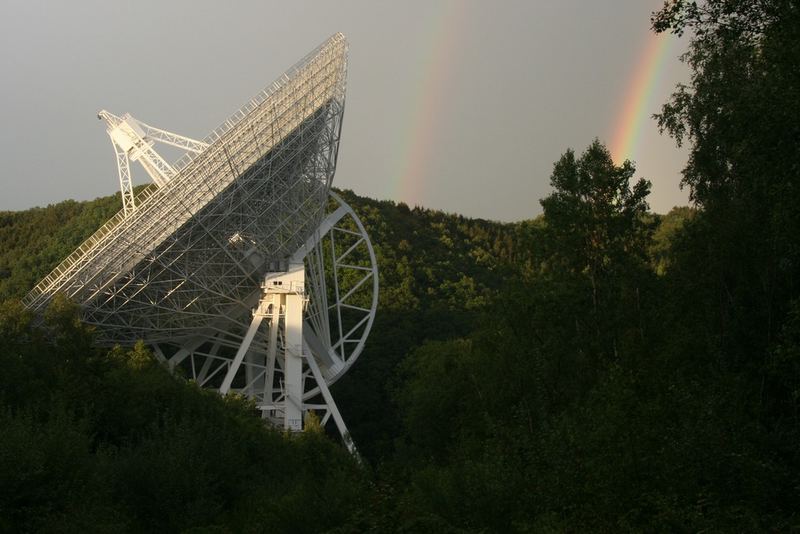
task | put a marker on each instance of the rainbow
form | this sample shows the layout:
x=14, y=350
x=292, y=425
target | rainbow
x=415, y=144
x=637, y=105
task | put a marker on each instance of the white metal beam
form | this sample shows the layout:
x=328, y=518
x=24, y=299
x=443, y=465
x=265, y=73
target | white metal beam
x=173, y=139
x=245, y=346
x=332, y=408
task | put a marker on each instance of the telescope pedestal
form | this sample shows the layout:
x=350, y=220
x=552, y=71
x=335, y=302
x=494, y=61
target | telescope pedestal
x=282, y=303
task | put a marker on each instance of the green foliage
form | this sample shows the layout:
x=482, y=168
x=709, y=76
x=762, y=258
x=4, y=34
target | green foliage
x=32, y=242
x=593, y=398
x=438, y=273
x=736, y=266
x=739, y=114
x=595, y=216
x=667, y=231
x=97, y=441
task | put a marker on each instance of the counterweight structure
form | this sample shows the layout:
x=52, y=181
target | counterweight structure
x=238, y=265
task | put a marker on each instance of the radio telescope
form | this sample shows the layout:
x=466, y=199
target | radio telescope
x=238, y=265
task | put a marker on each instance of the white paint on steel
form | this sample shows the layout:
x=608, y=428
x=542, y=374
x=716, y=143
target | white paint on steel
x=181, y=265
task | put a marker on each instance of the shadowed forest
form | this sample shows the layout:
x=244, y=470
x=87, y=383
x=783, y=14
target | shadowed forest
x=596, y=368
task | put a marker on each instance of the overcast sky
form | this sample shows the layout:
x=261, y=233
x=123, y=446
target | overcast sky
x=457, y=105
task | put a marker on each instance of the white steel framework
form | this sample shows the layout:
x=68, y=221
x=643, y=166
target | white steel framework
x=133, y=140
x=191, y=264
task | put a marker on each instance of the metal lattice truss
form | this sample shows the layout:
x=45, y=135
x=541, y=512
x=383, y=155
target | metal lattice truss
x=325, y=298
x=186, y=264
x=197, y=246
x=133, y=141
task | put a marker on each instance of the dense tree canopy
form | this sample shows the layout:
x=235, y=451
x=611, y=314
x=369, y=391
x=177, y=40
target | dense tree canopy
x=97, y=440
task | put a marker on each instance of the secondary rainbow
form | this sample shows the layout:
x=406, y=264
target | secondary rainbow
x=638, y=105
x=415, y=144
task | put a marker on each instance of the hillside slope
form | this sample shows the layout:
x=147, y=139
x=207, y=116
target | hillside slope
x=535, y=376
x=438, y=273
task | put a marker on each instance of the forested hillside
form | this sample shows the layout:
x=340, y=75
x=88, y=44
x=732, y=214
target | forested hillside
x=596, y=368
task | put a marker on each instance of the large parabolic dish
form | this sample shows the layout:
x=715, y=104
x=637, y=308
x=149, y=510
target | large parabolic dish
x=184, y=265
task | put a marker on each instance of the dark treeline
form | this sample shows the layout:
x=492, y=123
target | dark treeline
x=598, y=368
x=107, y=441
